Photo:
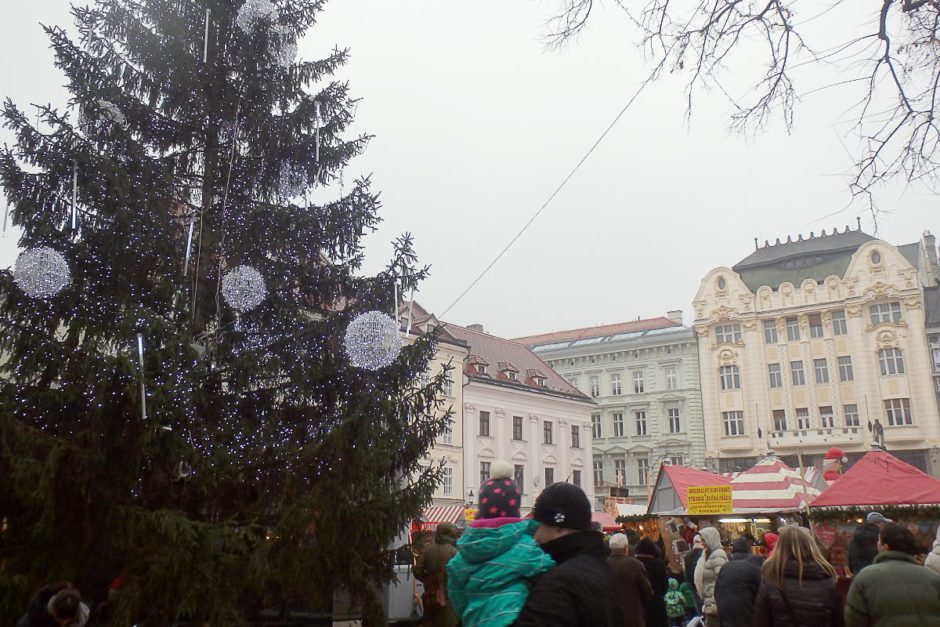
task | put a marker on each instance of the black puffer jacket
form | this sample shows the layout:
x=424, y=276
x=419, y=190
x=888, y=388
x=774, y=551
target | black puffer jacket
x=579, y=591
x=814, y=603
x=863, y=548
x=737, y=586
x=648, y=553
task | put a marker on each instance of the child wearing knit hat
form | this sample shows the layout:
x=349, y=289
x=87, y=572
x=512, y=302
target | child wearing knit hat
x=497, y=558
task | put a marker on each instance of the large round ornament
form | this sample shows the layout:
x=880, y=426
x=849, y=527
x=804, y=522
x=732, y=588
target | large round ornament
x=373, y=340
x=252, y=12
x=243, y=288
x=41, y=272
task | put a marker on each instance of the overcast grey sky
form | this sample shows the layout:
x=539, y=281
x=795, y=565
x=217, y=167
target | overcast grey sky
x=476, y=122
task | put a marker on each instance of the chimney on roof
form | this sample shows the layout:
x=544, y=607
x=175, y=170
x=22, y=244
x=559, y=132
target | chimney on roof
x=858, y=221
x=476, y=327
x=674, y=315
x=756, y=247
x=930, y=250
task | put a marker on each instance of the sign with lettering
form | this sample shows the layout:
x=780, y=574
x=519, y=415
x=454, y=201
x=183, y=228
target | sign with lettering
x=706, y=500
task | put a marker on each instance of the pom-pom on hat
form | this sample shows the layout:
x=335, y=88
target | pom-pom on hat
x=500, y=497
x=835, y=454
x=563, y=505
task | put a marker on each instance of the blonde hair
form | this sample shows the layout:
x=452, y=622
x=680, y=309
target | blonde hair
x=795, y=543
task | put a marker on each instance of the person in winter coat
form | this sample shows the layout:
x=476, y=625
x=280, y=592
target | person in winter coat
x=579, y=591
x=894, y=591
x=770, y=542
x=56, y=605
x=933, y=558
x=688, y=596
x=712, y=562
x=864, y=544
x=675, y=604
x=431, y=570
x=737, y=586
x=798, y=588
x=633, y=584
x=648, y=553
x=497, y=558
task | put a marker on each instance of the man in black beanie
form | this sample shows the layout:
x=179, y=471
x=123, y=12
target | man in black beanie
x=580, y=590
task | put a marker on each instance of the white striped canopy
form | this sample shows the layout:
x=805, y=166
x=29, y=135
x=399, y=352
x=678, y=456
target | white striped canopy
x=771, y=486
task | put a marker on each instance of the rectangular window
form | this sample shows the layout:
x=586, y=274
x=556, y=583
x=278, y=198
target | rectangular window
x=517, y=427
x=484, y=472
x=821, y=368
x=672, y=378
x=675, y=461
x=596, y=431
x=615, y=385
x=573, y=380
x=815, y=326
x=728, y=333
x=518, y=473
x=733, y=421
x=575, y=436
x=899, y=412
x=620, y=471
x=935, y=352
x=891, y=361
x=885, y=312
x=576, y=477
x=776, y=378
x=447, y=435
x=796, y=373
x=845, y=369
x=448, y=480
x=448, y=385
x=638, y=385
x=730, y=378
x=485, y=423
x=675, y=423
x=793, y=329
x=851, y=415
x=770, y=331
x=549, y=476
x=826, y=419
x=640, y=419
x=839, y=326
x=595, y=387
x=618, y=424
x=547, y=432
x=598, y=472
x=780, y=420
x=802, y=418
x=642, y=470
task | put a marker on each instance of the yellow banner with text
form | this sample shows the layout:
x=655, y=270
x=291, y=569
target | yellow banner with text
x=705, y=500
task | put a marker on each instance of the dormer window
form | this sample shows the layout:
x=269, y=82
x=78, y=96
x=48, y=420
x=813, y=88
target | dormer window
x=507, y=371
x=479, y=366
x=511, y=375
x=539, y=381
x=481, y=369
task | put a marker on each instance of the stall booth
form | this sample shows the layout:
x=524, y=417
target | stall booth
x=423, y=530
x=877, y=482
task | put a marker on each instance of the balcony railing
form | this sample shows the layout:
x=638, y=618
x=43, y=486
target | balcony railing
x=799, y=437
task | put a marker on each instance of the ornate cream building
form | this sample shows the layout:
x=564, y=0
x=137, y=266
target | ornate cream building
x=821, y=342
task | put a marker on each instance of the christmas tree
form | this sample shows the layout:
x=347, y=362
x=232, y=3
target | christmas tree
x=178, y=405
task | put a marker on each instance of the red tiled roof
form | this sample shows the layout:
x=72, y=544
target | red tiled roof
x=634, y=326
x=495, y=349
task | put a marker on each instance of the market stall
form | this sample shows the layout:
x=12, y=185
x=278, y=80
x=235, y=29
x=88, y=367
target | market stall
x=877, y=482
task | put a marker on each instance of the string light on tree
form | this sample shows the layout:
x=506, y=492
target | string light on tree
x=41, y=272
x=373, y=340
x=243, y=288
x=292, y=181
x=285, y=50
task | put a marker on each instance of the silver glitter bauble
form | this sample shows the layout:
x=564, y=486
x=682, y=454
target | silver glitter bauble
x=114, y=113
x=373, y=340
x=41, y=272
x=291, y=182
x=252, y=12
x=285, y=48
x=243, y=288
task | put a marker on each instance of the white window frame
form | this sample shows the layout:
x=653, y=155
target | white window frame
x=615, y=386
x=595, y=382
x=675, y=419
x=575, y=436
x=846, y=371
x=827, y=418
x=484, y=472
x=447, y=435
x=518, y=475
x=728, y=333
x=770, y=332
x=839, y=323
x=775, y=375
x=640, y=422
x=672, y=377
x=598, y=468
x=447, y=480
x=796, y=368
x=620, y=472
x=821, y=371
x=891, y=361
x=898, y=411
x=617, y=419
x=816, y=329
x=850, y=412
x=597, y=427
x=548, y=432
x=793, y=329
x=803, y=419
x=729, y=377
x=733, y=422
x=642, y=470
x=639, y=384
x=780, y=419
x=880, y=313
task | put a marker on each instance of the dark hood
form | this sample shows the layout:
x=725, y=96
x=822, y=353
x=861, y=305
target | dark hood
x=647, y=547
x=575, y=544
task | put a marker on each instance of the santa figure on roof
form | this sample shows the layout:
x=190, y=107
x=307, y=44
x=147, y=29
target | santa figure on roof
x=832, y=464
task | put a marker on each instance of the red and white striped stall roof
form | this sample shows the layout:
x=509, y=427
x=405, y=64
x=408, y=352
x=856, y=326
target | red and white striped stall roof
x=433, y=516
x=771, y=486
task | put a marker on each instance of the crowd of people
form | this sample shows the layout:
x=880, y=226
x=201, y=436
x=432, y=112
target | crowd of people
x=557, y=570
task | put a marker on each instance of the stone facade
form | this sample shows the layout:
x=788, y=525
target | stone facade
x=644, y=377
x=815, y=343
